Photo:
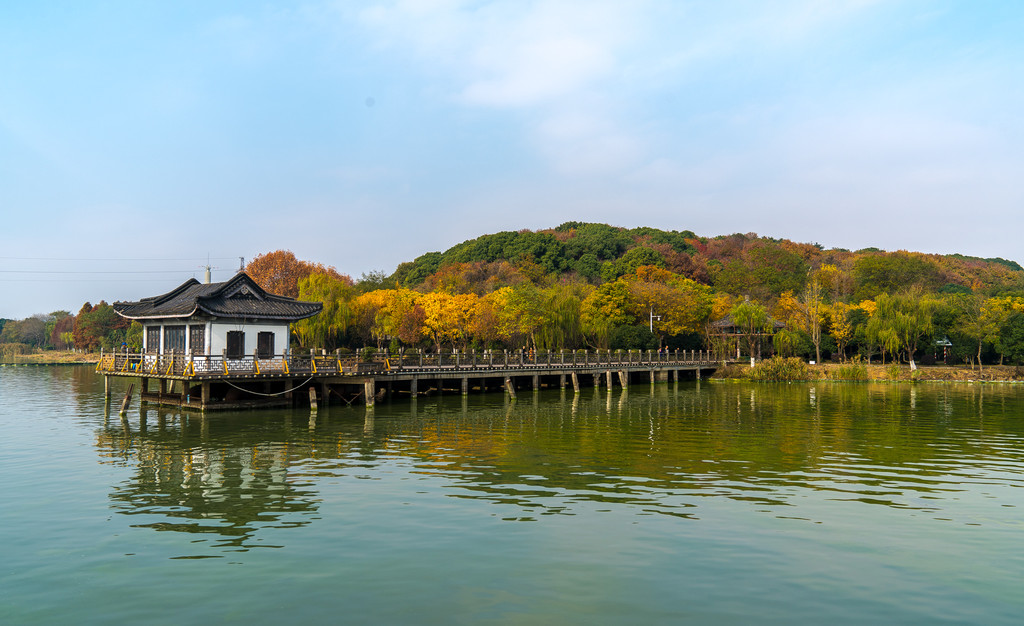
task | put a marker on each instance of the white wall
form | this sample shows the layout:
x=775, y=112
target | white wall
x=217, y=334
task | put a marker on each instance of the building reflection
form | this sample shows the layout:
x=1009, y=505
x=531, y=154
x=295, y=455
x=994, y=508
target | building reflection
x=663, y=450
x=192, y=474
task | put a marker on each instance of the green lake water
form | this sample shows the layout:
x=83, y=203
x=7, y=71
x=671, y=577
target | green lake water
x=707, y=503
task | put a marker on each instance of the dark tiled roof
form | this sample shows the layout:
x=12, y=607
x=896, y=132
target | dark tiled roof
x=238, y=297
x=726, y=322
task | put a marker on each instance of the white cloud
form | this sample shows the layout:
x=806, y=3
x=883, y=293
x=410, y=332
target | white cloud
x=550, y=63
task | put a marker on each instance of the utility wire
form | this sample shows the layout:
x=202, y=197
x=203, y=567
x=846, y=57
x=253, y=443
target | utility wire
x=98, y=272
x=41, y=258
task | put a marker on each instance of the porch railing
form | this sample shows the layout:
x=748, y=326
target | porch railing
x=218, y=366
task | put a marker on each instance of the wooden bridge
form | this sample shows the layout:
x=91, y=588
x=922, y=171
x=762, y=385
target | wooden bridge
x=209, y=382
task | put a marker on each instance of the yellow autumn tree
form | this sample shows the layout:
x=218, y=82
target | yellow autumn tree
x=670, y=303
x=447, y=318
x=370, y=313
x=840, y=325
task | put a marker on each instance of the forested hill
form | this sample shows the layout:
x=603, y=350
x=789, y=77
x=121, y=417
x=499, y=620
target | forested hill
x=748, y=265
x=599, y=286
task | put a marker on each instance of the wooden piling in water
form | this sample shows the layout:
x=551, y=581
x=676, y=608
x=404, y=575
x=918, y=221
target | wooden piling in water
x=369, y=390
x=510, y=387
x=127, y=399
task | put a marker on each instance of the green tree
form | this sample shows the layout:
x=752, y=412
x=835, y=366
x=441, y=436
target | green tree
x=882, y=272
x=763, y=270
x=1012, y=338
x=630, y=262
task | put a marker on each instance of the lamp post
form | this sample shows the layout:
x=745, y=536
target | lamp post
x=654, y=317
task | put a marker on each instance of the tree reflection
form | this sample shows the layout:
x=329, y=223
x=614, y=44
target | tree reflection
x=667, y=451
x=221, y=478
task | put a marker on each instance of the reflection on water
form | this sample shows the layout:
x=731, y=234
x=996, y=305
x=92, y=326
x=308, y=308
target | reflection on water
x=717, y=502
x=187, y=479
x=664, y=450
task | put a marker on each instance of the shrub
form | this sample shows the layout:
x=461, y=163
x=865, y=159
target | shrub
x=730, y=371
x=893, y=371
x=854, y=370
x=779, y=369
x=14, y=349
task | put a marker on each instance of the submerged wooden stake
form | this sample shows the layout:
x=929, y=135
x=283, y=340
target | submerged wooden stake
x=127, y=399
x=312, y=398
x=510, y=387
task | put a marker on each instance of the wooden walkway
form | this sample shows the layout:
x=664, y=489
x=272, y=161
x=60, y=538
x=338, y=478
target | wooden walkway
x=208, y=382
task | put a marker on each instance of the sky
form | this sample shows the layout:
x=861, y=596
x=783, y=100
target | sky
x=141, y=141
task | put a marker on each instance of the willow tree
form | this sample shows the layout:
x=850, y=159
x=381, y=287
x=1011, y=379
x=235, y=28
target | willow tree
x=752, y=320
x=327, y=328
x=900, y=321
x=561, y=325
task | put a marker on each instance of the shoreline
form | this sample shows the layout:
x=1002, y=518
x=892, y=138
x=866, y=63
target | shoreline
x=902, y=373
x=51, y=358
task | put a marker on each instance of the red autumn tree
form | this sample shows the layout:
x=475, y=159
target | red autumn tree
x=280, y=272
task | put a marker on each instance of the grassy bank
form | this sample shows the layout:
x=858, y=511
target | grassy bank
x=901, y=372
x=50, y=357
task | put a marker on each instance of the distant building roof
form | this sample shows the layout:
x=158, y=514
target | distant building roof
x=727, y=323
x=239, y=297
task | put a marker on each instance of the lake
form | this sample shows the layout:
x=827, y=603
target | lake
x=710, y=502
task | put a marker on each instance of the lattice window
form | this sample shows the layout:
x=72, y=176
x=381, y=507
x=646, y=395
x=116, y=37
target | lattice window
x=174, y=339
x=153, y=339
x=197, y=338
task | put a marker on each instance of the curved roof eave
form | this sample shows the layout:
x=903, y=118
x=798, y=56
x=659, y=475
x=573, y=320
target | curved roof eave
x=261, y=316
x=155, y=317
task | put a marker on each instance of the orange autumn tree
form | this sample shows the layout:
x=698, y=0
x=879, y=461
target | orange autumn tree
x=279, y=272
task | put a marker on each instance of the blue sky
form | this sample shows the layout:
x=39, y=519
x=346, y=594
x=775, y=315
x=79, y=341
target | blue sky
x=138, y=139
